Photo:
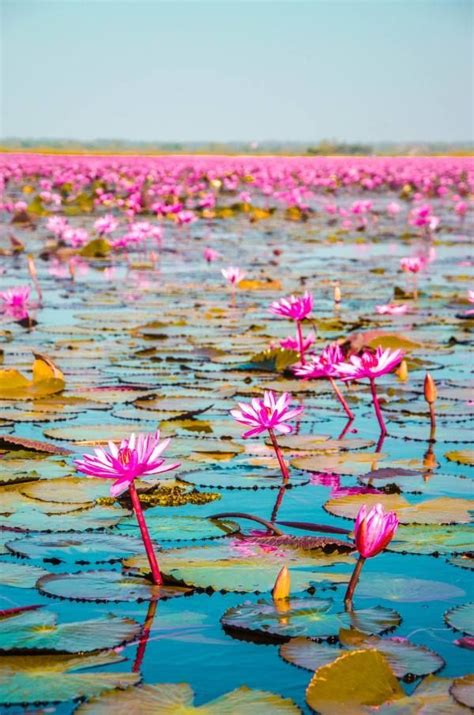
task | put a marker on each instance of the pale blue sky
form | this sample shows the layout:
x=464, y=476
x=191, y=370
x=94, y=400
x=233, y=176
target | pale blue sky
x=367, y=70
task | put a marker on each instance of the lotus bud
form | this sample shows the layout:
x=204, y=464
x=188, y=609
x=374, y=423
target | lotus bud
x=337, y=293
x=430, y=389
x=403, y=371
x=281, y=589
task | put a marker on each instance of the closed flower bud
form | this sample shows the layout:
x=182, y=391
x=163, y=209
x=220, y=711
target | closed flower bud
x=430, y=389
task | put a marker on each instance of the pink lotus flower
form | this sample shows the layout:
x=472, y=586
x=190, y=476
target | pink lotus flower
x=15, y=302
x=291, y=343
x=391, y=309
x=106, y=224
x=271, y=413
x=233, y=275
x=210, y=255
x=57, y=225
x=294, y=308
x=138, y=456
x=373, y=530
x=393, y=208
x=372, y=365
x=326, y=365
x=412, y=265
x=75, y=237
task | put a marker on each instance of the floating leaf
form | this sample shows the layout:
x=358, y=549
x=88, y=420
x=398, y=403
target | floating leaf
x=241, y=477
x=430, y=697
x=309, y=617
x=91, y=434
x=392, y=587
x=177, y=699
x=104, y=586
x=20, y=575
x=354, y=680
x=442, y=510
x=341, y=463
x=461, y=618
x=245, y=567
x=464, y=561
x=68, y=489
x=428, y=539
x=47, y=380
x=180, y=528
x=463, y=456
x=462, y=690
x=100, y=517
x=404, y=658
x=39, y=630
x=52, y=678
x=78, y=548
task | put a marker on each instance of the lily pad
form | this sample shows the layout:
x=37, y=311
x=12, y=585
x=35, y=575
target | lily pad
x=100, y=517
x=241, y=477
x=443, y=510
x=68, y=489
x=462, y=690
x=39, y=630
x=432, y=696
x=91, y=434
x=104, y=586
x=52, y=678
x=20, y=575
x=340, y=463
x=392, y=587
x=180, y=528
x=430, y=539
x=356, y=679
x=76, y=547
x=309, y=617
x=461, y=618
x=246, y=567
x=463, y=456
x=178, y=698
x=404, y=658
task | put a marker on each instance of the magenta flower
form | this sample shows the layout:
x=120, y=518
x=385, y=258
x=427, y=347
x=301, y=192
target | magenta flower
x=391, y=309
x=294, y=308
x=370, y=366
x=233, y=275
x=105, y=224
x=210, y=255
x=15, y=302
x=271, y=413
x=326, y=365
x=291, y=343
x=373, y=530
x=76, y=237
x=412, y=265
x=138, y=456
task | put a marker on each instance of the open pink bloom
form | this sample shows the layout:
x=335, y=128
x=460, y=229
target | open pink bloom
x=370, y=365
x=393, y=208
x=210, y=255
x=106, y=224
x=291, y=343
x=373, y=530
x=470, y=296
x=16, y=301
x=293, y=307
x=76, y=237
x=137, y=456
x=412, y=265
x=391, y=309
x=271, y=413
x=57, y=225
x=233, y=275
x=324, y=365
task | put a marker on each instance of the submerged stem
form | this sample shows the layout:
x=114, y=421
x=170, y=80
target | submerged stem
x=300, y=341
x=281, y=461
x=353, y=583
x=376, y=403
x=341, y=398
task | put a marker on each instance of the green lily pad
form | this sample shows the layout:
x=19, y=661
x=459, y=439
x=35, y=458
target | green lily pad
x=349, y=463
x=392, y=587
x=405, y=658
x=180, y=528
x=76, y=547
x=246, y=567
x=91, y=434
x=99, y=517
x=52, y=678
x=309, y=617
x=39, y=630
x=461, y=618
x=104, y=586
x=68, y=489
x=241, y=477
x=20, y=575
x=464, y=561
x=429, y=539
x=416, y=483
x=462, y=690
x=178, y=698
x=432, y=696
x=443, y=510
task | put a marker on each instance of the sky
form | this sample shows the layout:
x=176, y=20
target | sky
x=229, y=70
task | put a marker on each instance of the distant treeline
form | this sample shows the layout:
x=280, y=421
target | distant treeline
x=322, y=148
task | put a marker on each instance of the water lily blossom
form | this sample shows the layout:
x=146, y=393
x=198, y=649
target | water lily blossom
x=326, y=365
x=293, y=343
x=371, y=365
x=15, y=302
x=137, y=456
x=233, y=276
x=392, y=309
x=373, y=531
x=297, y=309
x=210, y=255
x=270, y=414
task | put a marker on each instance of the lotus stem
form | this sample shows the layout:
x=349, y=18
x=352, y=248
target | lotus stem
x=251, y=517
x=300, y=341
x=278, y=501
x=353, y=583
x=376, y=404
x=137, y=508
x=341, y=398
x=281, y=461
x=432, y=422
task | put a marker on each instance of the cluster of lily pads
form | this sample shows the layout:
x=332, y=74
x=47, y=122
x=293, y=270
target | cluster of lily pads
x=129, y=335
